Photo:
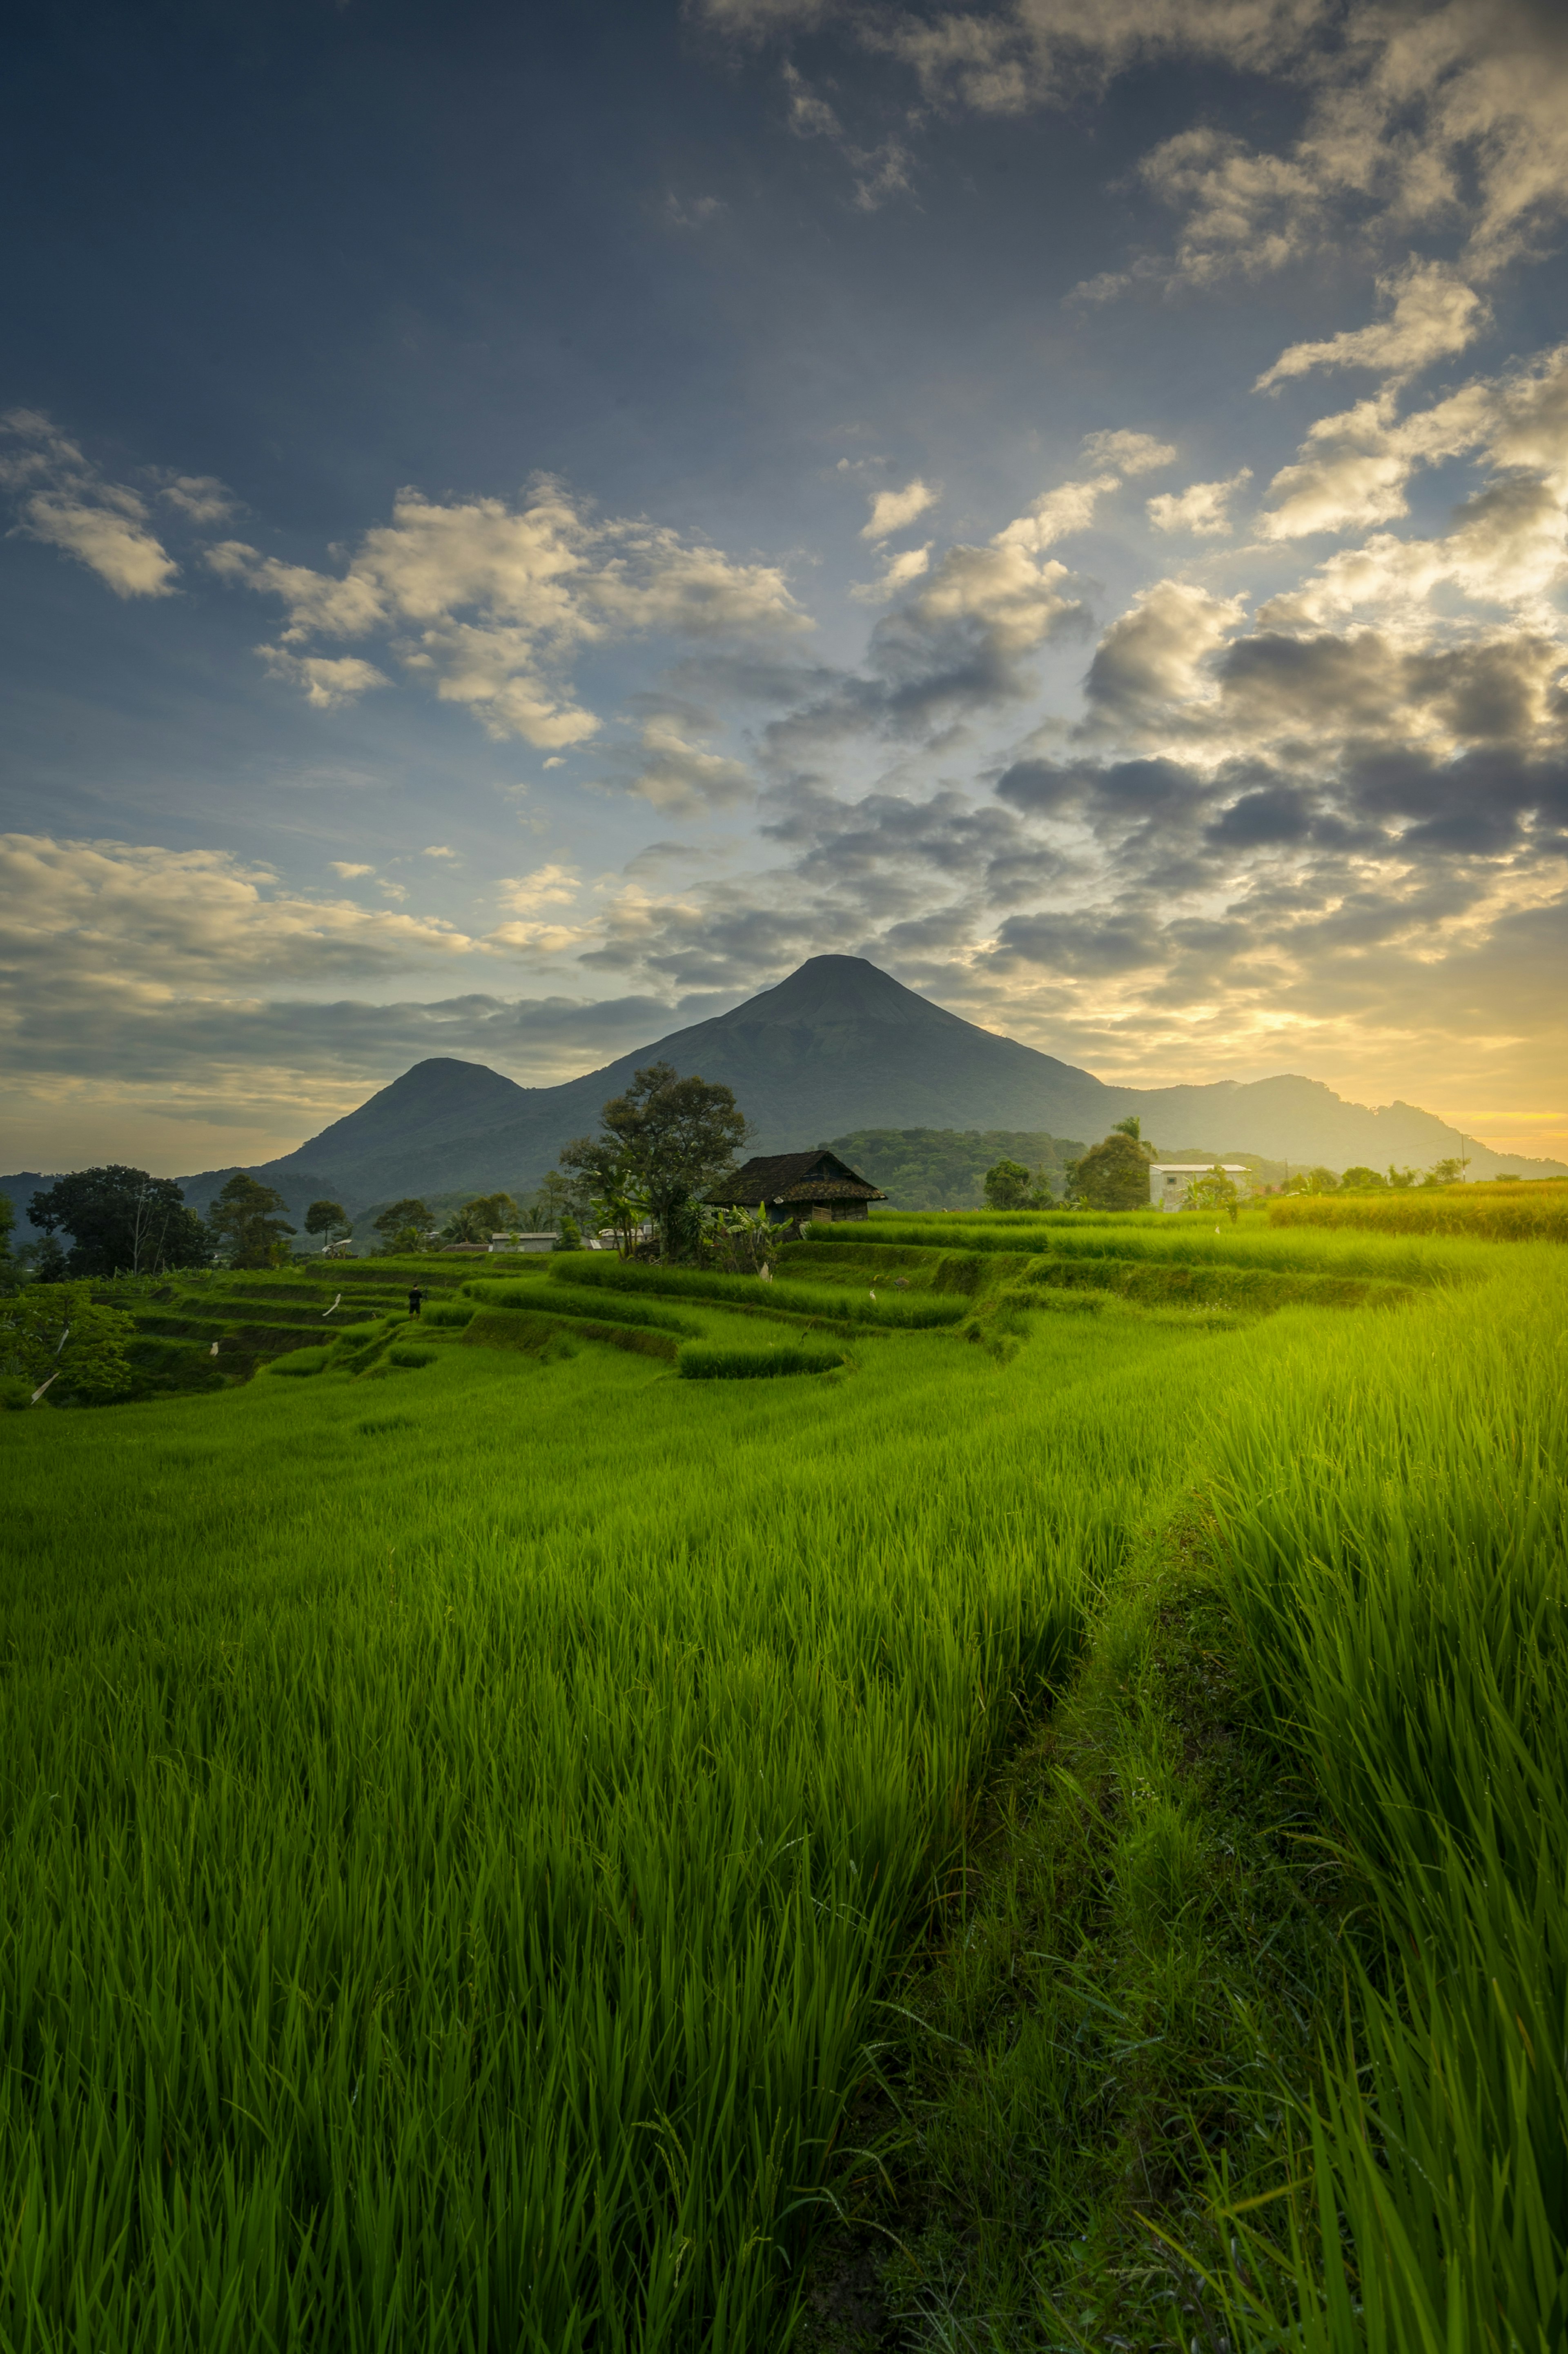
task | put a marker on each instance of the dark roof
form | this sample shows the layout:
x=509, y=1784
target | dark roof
x=819, y=1176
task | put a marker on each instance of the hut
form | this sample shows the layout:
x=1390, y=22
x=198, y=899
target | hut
x=795, y=1186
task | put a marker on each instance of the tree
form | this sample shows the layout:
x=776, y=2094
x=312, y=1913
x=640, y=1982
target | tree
x=1401, y=1179
x=1213, y=1191
x=1322, y=1181
x=402, y=1227
x=121, y=1222
x=1007, y=1186
x=553, y=1200
x=56, y=1342
x=486, y=1214
x=1113, y=1174
x=1444, y=1173
x=1132, y=1126
x=328, y=1218
x=667, y=1137
x=1363, y=1181
x=246, y=1223
x=7, y=1223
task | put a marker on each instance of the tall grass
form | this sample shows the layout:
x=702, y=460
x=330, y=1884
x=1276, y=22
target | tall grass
x=455, y=1829
x=1515, y=1213
x=1396, y=1531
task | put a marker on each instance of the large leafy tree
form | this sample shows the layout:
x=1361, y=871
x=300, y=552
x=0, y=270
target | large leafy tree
x=55, y=1343
x=247, y=1224
x=1007, y=1185
x=121, y=1222
x=1114, y=1173
x=668, y=1138
x=402, y=1227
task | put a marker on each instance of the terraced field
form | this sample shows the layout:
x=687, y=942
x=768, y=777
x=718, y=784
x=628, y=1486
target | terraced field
x=519, y=1833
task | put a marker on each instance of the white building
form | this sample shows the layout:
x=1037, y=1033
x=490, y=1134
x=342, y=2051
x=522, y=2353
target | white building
x=1169, y=1180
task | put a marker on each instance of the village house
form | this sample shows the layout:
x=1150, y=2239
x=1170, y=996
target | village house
x=796, y=1186
x=1169, y=1180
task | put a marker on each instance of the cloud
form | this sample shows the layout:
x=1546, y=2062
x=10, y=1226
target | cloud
x=144, y=926
x=326, y=680
x=891, y=511
x=1200, y=509
x=681, y=778
x=1056, y=514
x=1158, y=654
x=1246, y=213
x=1354, y=468
x=1434, y=315
x=881, y=172
x=200, y=498
x=1130, y=453
x=897, y=574
x=486, y=602
x=348, y=871
x=65, y=502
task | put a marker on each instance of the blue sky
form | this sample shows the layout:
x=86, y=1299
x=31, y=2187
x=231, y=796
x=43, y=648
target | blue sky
x=523, y=526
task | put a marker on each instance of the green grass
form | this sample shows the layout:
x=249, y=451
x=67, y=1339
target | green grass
x=488, y=1857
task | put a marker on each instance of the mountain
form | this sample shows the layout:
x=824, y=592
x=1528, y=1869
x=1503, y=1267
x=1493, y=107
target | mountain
x=837, y=1047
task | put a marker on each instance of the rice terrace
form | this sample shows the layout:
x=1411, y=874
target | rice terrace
x=1049, y=1809
x=784, y=1177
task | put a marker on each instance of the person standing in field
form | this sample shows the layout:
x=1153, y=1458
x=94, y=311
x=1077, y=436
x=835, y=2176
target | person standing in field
x=416, y=1300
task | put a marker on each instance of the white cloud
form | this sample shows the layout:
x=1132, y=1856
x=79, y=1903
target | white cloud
x=65, y=502
x=200, y=498
x=1057, y=515
x=1201, y=509
x=891, y=511
x=144, y=926
x=897, y=574
x=1130, y=453
x=1434, y=315
x=680, y=778
x=486, y=602
x=1354, y=467
x=810, y=117
x=548, y=886
x=1155, y=655
x=325, y=679
x=438, y=850
x=348, y=871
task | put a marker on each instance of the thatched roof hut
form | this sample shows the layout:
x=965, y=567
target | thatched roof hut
x=795, y=1185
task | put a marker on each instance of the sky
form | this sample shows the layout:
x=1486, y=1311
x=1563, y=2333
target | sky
x=520, y=524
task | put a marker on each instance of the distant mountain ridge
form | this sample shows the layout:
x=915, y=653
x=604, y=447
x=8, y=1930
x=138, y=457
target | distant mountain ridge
x=838, y=1046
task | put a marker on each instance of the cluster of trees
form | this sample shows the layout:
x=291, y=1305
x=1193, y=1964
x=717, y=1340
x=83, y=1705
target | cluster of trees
x=946, y=1168
x=1373, y=1180
x=121, y=1221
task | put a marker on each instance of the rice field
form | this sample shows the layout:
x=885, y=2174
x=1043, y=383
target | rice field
x=465, y=1792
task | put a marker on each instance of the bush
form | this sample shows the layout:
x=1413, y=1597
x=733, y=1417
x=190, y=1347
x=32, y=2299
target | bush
x=299, y=1361
x=700, y=1361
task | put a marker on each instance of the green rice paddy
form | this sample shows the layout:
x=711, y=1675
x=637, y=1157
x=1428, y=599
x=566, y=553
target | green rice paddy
x=470, y=1793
